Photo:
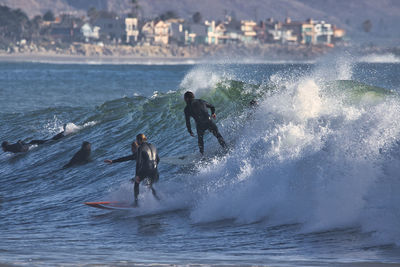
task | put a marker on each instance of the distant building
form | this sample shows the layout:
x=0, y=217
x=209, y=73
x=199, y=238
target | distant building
x=131, y=30
x=316, y=32
x=161, y=33
x=112, y=29
x=177, y=31
x=65, y=29
x=196, y=34
x=323, y=32
x=338, y=34
x=291, y=31
x=90, y=33
x=248, y=28
x=215, y=33
x=148, y=32
x=308, y=32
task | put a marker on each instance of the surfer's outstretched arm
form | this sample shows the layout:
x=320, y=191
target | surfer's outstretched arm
x=122, y=159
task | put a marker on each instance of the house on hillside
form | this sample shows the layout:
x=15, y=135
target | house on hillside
x=196, y=34
x=131, y=30
x=161, y=33
x=177, y=31
x=215, y=33
x=323, y=32
x=65, y=29
x=338, y=34
x=291, y=31
x=307, y=32
x=316, y=32
x=111, y=29
x=273, y=33
x=148, y=32
x=90, y=33
x=248, y=28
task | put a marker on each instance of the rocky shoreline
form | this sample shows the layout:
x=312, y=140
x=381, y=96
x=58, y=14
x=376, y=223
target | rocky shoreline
x=171, y=53
x=151, y=54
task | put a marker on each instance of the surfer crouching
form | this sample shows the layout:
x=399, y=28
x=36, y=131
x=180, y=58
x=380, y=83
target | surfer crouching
x=198, y=109
x=146, y=165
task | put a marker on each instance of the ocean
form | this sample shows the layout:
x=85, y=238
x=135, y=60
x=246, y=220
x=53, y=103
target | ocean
x=311, y=177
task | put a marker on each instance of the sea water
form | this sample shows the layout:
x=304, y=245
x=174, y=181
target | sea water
x=311, y=177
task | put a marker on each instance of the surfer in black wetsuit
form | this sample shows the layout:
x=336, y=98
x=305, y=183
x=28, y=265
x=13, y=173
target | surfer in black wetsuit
x=198, y=109
x=126, y=158
x=21, y=146
x=146, y=165
x=18, y=147
x=54, y=138
x=82, y=156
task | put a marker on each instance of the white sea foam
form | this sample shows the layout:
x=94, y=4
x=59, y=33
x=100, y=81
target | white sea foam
x=380, y=58
x=311, y=158
x=57, y=125
x=202, y=78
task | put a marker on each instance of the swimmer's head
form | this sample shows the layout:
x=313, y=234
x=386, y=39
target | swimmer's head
x=188, y=96
x=4, y=145
x=253, y=103
x=86, y=146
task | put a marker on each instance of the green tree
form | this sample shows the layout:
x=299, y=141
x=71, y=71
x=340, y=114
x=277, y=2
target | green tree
x=135, y=8
x=170, y=14
x=367, y=25
x=48, y=16
x=92, y=13
x=197, y=17
x=14, y=26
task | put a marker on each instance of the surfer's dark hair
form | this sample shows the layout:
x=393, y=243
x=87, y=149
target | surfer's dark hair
x=4, y=144
x=188, y=95
x=141, y=137
x=85, y=145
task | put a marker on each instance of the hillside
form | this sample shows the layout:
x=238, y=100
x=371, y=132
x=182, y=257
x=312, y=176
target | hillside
x=348, y=14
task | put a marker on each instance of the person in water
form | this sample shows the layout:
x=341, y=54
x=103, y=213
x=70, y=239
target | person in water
x=134, y=148
x=54, y=138
x=198, y=109
x=18, y=147
x=146, y=165
x=82, y=156
x=21, y=146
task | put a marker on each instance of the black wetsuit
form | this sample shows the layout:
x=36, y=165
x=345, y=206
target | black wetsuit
x=146, y=166
x=20, y=146
x=126, y=158
x=39, y=142
x=198, y=109
x=80, y=157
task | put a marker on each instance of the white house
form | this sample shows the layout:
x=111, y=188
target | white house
x=89, y=32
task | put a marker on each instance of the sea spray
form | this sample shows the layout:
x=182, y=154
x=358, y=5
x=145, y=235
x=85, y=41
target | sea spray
x=307, y=157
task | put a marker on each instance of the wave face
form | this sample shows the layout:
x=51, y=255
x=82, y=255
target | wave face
x=312, y=169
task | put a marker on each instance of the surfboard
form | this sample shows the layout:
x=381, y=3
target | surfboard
x=111, y=205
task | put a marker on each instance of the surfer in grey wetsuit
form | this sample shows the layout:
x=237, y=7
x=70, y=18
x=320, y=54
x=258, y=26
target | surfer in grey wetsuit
x=146, y=165
x=126, y=158
x=198, y=109
x=20, y=146
x=82, y=156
